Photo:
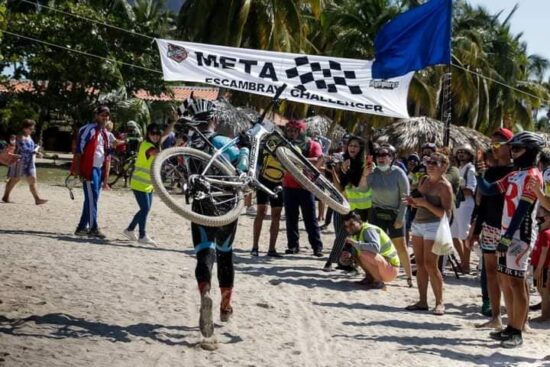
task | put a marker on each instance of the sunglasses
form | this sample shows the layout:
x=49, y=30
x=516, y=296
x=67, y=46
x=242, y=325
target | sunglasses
x=379, y=155
x=433, y=163
x=497, y=145
x=154, y=133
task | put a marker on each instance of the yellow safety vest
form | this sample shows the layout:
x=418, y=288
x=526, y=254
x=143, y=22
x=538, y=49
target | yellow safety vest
x=387, y=249
x=357, y=198
x=141, y=178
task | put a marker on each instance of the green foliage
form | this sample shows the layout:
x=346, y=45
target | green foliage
x=14, y=113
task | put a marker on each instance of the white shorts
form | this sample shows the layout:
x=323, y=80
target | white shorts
x=462, y=218
x=516, y=261
x=425, y=230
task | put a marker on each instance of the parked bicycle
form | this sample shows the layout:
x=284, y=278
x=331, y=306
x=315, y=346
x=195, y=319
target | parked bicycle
x=209, y=179
x=122, y=167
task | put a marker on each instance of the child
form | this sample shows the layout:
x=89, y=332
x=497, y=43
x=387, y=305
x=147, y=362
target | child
x=25, y=166
x=540, y=259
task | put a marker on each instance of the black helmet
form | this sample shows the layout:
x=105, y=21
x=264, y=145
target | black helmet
x=528, y=140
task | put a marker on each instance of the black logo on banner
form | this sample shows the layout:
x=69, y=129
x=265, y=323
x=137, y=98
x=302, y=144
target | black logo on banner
x=329, y=77
x=177, y=53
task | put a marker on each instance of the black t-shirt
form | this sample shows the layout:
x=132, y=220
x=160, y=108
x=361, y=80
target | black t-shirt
x=490, y=207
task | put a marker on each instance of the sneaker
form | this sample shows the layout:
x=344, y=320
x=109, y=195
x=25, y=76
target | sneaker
x=318, y=253
x=96, y=233
x=500, y=335
x=293, y=250
x=225, y=315
x=274, y=254
x=146, y=240
x=130, y=235
x=251, y=210
x=486, y=309
x=513, y=341
x=81, y=232
x=254, y=252
x=206, y=324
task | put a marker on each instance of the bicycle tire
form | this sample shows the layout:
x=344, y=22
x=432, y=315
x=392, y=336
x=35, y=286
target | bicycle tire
x=186, y=210
x=322, y=188
x=114, y=175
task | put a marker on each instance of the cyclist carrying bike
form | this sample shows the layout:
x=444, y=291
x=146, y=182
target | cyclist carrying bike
x=213, y=243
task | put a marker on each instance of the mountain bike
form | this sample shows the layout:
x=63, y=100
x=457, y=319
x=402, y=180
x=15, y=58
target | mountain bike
x=122, y=166
x=210, y=180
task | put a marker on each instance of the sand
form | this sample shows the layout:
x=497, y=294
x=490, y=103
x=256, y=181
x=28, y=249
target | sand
x=71, y=301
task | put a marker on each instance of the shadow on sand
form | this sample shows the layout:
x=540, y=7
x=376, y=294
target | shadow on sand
x=63, y=326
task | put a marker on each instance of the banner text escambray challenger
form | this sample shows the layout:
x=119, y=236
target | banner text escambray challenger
x=318, y=80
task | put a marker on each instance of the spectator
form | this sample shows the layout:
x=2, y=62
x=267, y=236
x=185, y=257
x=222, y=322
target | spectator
x=389, y=184
x=465, y=204
x=141, y=184
x=296, y=198
x=373, y=250
x=540, y=259
x=517, y=231
x=346, y=177
x=270, y=175
x=92, y=152
x=434, y=200
x=25, y=166
x=487, y=227
x=7, y=154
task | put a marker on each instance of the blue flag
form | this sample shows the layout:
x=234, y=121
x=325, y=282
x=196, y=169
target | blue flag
x=413, y=40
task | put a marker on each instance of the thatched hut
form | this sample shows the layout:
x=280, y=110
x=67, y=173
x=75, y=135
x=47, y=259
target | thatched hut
x=408, y=135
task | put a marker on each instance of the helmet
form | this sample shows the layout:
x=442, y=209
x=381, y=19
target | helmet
x=132, y=124
x=387, y=147
x=527, y=139
x=431, y=146
x=199, y=109
x=413, y=158
x=466, y=147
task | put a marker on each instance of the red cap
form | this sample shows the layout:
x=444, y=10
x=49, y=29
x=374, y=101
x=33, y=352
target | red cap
x=505, y=133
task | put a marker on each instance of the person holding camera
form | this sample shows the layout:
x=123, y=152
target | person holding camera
x=346, y=177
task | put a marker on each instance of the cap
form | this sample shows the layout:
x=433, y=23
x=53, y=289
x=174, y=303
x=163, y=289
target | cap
x=102, y=109
x=505, y=133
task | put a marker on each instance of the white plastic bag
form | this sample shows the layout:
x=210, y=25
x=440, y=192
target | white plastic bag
x=443, y=243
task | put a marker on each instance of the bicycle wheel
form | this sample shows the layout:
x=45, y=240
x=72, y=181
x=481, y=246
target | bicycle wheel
x=194, y=198
x=115, y=171
x=320, y=186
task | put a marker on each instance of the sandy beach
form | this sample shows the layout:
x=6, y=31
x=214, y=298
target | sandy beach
x=71, y=301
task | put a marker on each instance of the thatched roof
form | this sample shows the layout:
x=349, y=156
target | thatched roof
x=408, y=135
x=323, y=124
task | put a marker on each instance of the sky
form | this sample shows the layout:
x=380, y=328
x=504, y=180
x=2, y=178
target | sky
x=531, y=18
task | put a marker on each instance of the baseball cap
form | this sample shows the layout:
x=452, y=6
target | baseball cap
x=503, y=132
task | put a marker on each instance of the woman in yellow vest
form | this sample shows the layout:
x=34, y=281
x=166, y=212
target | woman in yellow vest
x=141, y=184
x=346, y=178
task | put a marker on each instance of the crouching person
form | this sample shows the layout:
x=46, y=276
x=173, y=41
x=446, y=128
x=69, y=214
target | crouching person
x=373, y=250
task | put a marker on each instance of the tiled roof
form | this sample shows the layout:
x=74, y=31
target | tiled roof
x=180, y=93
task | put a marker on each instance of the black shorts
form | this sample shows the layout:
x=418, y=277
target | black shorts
x=385, y=220
x=544, y=279
x=262, y=198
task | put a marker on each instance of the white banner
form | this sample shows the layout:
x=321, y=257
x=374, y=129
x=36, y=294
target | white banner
x=318, y=80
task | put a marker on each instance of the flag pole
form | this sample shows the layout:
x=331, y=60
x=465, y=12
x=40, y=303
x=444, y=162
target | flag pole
x=446, y=107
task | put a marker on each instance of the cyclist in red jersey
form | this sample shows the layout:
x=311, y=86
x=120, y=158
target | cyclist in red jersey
x=518, y=231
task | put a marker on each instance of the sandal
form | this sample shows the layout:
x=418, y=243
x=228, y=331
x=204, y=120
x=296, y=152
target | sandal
x=410, y=282
x=439, y=310
x=416, y=307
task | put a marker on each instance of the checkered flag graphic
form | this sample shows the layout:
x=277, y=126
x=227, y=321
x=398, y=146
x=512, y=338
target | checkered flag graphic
x=328, y=77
